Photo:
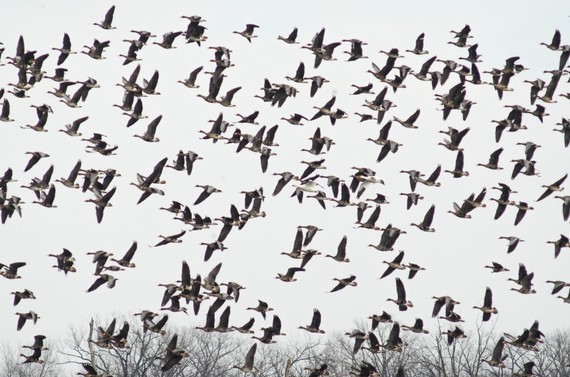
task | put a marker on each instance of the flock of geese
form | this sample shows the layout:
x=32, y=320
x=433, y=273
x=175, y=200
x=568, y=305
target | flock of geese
x=454, y=80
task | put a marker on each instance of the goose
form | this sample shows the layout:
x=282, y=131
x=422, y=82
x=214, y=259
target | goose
x=417, y=328
x=487, y=307
x=563, y=241
x=286, y=177
x=234, y=288
x=289, y=276
x=396, y=83
x=558, y=285
x=73, y=128
x=136, y=114
x=246, y=328
x=389, y=236
x=267, y=337
x=425, y=225
x=497, y=358
x=291, y=38
x=148, y=136
x=472, y=56
x=311, y=167
x=299, y=74
x=525, y=284
x=401, y=301
x=101, y=202
x=431, y=181
x=211, y=247
x=168, y=39
x=493, y=163
x=324, y=110
x=394, y=342
x=36, y=156
x=25, y=294
x=523, y=208
x=39, y=126
x=412, y=198
x=442, y=301
x=395, y=264
x=248, y=32
x=103, y=279
x=5, y=115
x=409, y=123
x=65, y=50
x=317, y=41
x=554, y=45
x=324, y=53
x=23, y=317
x=340, y=255
x=175, y=238
x=34, y=357
x=355, y=49
x=419, y=46
x=527, y=370
x=295, y=119
x=380, y=318
x=349, y=281
x=106, y=23
x=38, y=343
x=556, y=186
x=565, y=206
x=551, y=88
x=457, y=333
x=248, y=366
x=227, y=99
x=344, y=197
x=96, y=50
x=46, y=200
x=173, y=355
x=414, y=269
x=207, y=190
x=314, y=327
x=497, y=267
x=262, y=308
x=308, y=255
x=423, y=74
x=125, y=261
x=175, y=305
x=522, y=272
x=150, y=85
x=190, y=82
x=216, y=131
x=359, y=337
x=458, y=171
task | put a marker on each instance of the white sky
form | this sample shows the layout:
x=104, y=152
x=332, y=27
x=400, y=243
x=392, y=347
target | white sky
x=453, y=256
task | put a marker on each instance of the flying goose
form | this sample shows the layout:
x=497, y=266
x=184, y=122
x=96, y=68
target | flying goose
x=262, y=307
x=168, y=39
x=487, y=307
x=340, y=255
x=401, y=301
x=351, y=280
x=425, y=225
x=248, y=32
x=291, y=38
x=289, y=276
x=23, y=317
x=419, y=46
x=314, y=327
x=248, y=366
x=394, y=264
x=497, y=358
x=151, y=130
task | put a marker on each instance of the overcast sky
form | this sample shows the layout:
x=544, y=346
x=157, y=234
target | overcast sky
x=454, y=255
